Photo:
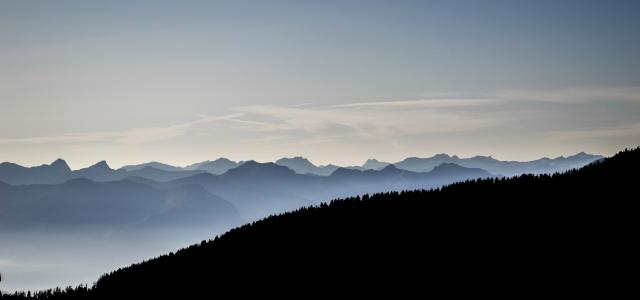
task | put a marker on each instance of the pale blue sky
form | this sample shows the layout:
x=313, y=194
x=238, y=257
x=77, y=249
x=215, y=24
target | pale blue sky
x=339, y=82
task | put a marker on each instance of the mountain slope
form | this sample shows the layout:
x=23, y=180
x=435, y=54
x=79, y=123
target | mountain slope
x=374, y=164
x=217, y=167
x=568, y=234
x=59, y=172
x=154, y=164
x=55, y=172
x=391, y=178
x=88, y=205
x=302, y=165
x=260, y=189
x=255, y=190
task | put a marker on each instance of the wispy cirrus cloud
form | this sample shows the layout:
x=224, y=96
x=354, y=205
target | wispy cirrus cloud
x=571, y=95
x=424, y=103
x=128, y=137
x=380, y=119
x=609, y=132
x=153, y=134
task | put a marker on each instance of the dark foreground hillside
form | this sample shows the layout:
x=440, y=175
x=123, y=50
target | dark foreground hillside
x=562, y=235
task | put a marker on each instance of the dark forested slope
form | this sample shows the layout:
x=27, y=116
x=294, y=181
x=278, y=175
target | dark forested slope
x=557, y=235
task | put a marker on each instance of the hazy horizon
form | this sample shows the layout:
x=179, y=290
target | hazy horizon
x=361, y=162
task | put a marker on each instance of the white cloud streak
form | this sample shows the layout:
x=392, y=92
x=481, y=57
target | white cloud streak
x=622, y=131
x=128, y=137
x=373, y=119
x=572, y=95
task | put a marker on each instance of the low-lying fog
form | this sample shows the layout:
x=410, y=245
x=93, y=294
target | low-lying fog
x=42, y=260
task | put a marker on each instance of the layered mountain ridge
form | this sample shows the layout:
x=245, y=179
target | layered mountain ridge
x=59, y=171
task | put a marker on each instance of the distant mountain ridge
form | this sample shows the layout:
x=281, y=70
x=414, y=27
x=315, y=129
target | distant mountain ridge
x=254, y=189
x=15, y=174
x=374, y=164
x=83, y=203
x=153, y=164
x=302, y=165
x=59, y=171
x=506, y=168
x=217, y=167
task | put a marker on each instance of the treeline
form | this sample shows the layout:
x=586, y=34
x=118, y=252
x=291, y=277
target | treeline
x=570, y=233
x=78, y=292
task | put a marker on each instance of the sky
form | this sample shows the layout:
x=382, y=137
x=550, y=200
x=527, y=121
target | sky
x=334, y=81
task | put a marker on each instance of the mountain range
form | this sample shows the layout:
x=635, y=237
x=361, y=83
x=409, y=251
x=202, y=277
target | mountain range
x=107, y=206
x=120, y=198
x=506, y=168
x=156, y=193
x=59, y=171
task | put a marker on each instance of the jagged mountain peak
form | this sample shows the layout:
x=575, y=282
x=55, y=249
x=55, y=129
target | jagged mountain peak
x=298, y=159
x=223, y=159
x=217, y=166
x=252, y=167
x=101, y=165
x=374, y=164
x=302, y=165
x=60, y=164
